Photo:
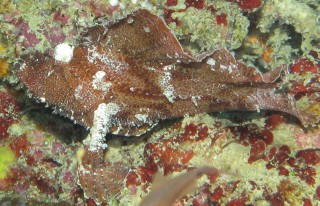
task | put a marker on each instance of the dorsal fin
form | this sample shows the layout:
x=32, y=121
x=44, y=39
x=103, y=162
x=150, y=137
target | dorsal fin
x=142, y=35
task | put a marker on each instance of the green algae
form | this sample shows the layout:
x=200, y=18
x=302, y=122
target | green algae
x=303, y=103
x=204, y=33
x=282, y=50
x=6, y=160
x=299, y=14
x=287, y=29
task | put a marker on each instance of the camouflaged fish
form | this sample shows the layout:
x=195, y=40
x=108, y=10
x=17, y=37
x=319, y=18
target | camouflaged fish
x=137, y=69
x=124, y=77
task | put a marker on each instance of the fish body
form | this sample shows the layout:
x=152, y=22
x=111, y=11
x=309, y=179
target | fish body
x=139, y=65
x=124, y=77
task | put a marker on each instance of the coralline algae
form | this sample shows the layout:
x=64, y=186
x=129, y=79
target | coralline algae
x=243, y=146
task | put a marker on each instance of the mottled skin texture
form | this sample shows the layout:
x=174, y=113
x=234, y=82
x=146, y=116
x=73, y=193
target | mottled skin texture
x=133, y=54
x=138, y=65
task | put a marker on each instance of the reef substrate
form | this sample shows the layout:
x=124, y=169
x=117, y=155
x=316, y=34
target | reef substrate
x=263, y=157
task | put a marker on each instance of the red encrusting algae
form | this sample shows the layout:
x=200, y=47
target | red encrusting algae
x=9, y=111
x=180, y=150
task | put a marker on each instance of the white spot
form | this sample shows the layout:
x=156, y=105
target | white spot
x=169, y=67
x=99, y=84
x=223, y=67
x=77, y=93
x=151, y=68
x=106, y=58
x=183, y=96
x=49, y=73
x=168, y=89
x=100, y=74
x=42, y=99
x=63, y=52
x=211, y=62
x=93, y=54
x=194, y=100
x=142, y=117
x=257, y=108
x=130, y=20
x=146, y=29
x=102, y=122
x=113, y=2
x=22, y=66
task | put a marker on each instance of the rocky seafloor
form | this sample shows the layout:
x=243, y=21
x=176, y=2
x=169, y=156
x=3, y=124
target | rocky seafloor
x=263, y=158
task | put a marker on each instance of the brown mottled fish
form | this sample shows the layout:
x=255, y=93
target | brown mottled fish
x=138, y=65
x=126, y=76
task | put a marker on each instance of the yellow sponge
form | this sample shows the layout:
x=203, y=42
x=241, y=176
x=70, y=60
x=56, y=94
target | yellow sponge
x=6, y=160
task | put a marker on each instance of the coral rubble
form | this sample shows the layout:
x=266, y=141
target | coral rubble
x=257, y=164
x=126, y=67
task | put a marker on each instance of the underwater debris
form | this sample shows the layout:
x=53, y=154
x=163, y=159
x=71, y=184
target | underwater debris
x=166, y=190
